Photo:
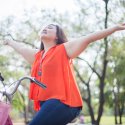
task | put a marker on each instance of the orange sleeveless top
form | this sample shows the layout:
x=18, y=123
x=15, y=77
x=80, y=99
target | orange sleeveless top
x=58, y=75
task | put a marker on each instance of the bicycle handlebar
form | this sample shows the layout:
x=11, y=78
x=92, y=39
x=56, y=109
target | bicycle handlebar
x=32, y=79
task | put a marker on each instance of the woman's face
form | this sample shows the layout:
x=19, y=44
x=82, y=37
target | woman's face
x=49, y=33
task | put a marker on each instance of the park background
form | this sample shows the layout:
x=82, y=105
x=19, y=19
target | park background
x=99, y=70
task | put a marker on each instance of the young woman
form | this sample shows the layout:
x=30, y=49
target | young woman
x=61, y=102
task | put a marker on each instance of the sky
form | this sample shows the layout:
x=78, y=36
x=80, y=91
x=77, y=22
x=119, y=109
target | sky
x=17, y=7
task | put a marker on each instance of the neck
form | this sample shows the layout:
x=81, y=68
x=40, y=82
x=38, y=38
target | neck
x=48, y=45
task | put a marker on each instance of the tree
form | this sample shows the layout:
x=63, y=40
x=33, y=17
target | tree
x=116, y=80
x=101, y=77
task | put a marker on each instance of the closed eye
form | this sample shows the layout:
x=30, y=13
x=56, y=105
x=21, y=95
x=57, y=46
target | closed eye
x=50, y=27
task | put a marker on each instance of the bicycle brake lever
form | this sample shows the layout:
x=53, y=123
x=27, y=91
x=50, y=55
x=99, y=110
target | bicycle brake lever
x=9, y=96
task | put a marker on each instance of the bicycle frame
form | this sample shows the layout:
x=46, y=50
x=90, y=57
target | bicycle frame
x=4, y=107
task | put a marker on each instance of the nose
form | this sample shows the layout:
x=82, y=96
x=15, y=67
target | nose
x=44, y=30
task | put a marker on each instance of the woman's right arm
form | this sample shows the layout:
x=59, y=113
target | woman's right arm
x=27, y=53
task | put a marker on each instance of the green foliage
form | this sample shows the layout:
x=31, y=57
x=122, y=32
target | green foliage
x=115, y=74
x=18, y=102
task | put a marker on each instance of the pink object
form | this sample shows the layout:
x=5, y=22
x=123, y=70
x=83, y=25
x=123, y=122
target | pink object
x=82, y=119
x=8, y=121
x=4, y=112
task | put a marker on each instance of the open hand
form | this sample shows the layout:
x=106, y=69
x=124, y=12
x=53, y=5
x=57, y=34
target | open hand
x=120, y=26
x=5, y=42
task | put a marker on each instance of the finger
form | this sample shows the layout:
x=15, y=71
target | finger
x=123, y=24
x=123, y=28
x=3, y=42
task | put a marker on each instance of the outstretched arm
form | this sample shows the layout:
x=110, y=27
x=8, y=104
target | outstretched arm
x=27, y=53
x=75, y=47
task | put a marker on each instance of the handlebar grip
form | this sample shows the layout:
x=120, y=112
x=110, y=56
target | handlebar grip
x=39, y=83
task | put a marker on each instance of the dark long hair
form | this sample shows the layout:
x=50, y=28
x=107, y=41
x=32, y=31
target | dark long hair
x=60, y=35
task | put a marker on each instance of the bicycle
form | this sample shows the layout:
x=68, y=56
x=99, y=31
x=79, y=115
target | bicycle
x=5, y=106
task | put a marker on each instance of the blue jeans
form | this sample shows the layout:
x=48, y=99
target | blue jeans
x=54, y=112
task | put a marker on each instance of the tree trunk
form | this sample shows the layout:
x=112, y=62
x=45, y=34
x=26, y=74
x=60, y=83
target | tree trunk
x=120, y=119
x=121, y=112
x=91, y=113
x=101, y=79
x=105, y=62
x=115, y=113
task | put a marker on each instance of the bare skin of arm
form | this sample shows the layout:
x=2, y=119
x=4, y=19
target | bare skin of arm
x=22, y=49
x=78, y=45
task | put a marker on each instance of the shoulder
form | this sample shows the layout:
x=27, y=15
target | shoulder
x=62, y=50
x=38, y=53
x=61, y=47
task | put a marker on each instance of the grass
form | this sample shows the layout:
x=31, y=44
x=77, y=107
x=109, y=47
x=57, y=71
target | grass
x=105, y=120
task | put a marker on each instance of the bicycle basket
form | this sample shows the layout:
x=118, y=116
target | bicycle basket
x=4, y=112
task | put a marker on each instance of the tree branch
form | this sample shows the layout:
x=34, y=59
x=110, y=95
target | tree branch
x=85, y=99
x=90, y=67
x=22, y=41
x=83, y=81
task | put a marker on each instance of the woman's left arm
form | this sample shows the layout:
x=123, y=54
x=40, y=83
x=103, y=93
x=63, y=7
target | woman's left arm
x=75, y=47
